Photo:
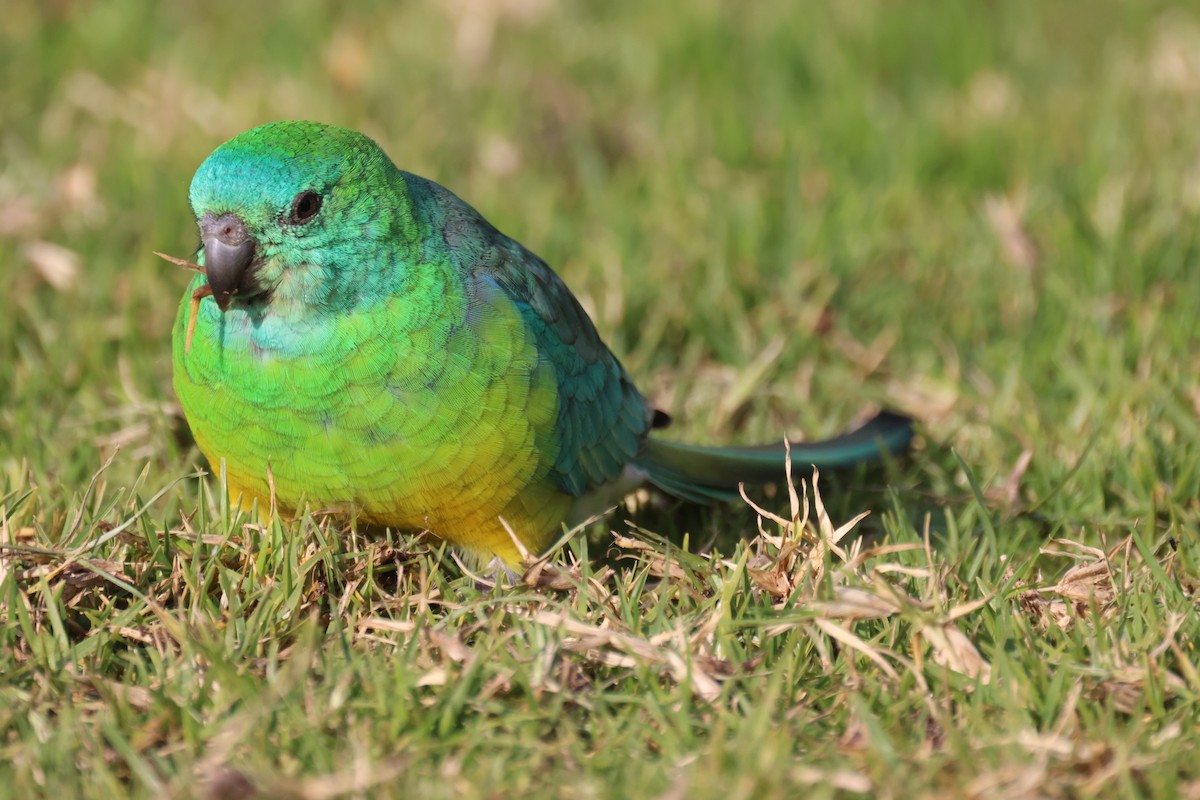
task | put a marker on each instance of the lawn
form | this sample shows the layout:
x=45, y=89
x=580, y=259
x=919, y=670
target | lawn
x=782, y=216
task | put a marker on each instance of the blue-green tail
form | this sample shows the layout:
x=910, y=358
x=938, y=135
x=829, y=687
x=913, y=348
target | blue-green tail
x=704, y=474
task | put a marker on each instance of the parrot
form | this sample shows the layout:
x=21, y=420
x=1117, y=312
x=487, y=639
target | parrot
x=358, y=339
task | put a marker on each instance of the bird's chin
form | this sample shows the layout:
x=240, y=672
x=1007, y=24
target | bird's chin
x=252, y=302
x=251, y=291
x=247, y=301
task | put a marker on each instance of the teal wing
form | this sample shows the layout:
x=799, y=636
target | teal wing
x=602, y=418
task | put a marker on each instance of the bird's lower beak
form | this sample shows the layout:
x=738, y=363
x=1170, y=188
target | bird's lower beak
x=228, y=253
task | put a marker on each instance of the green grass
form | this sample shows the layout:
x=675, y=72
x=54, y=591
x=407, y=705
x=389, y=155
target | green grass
x=779, y=215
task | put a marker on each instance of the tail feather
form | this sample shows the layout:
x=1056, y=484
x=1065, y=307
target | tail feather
x=706, y=474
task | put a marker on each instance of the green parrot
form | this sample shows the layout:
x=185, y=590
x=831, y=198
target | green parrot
x=360, y=339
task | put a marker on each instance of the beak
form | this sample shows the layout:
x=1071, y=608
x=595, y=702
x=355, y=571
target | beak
x=228, y=252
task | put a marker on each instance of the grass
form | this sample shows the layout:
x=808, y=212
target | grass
x=780, y=215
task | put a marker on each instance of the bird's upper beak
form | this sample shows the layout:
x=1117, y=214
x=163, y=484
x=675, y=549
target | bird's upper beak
x=229, y=251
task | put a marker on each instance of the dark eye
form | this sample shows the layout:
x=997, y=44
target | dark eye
x=305, y=207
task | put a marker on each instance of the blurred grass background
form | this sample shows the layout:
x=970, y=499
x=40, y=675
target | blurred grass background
x=779, y=215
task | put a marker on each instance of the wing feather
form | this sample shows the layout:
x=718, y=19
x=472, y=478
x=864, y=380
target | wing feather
x=602, y=418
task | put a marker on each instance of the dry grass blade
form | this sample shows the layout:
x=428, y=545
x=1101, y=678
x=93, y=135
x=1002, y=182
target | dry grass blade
x=198, y=295
x=1088, y=584
x=851, y=640
x=180, y=262
x=953, y=650
x=592, y=641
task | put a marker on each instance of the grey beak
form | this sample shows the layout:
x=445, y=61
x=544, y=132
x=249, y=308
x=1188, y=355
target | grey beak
x=228, y=253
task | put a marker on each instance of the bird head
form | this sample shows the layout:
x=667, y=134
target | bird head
x=288, y=211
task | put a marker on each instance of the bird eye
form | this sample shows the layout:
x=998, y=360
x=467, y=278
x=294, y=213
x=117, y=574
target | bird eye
x=305, y=207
